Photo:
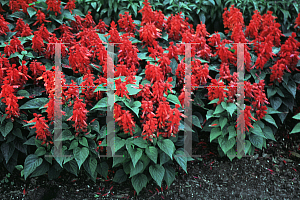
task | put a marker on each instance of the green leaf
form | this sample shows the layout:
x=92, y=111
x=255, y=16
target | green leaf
x=80, y=155
x=120, y=176
x=7, y=150
x=215, y=132
x=31, y=11
x=276, y=102
x=214, y=101
x=222, y=122
x=181, y=159
x=269, y=133
x=8, y=127
x=247, y=146
x=137, y=169
x=173, y=99
x=66, y=135
x=257, y=130
x=157, y=172
x=296, y=77
x=271, y=110
x=296, y=129
x=271, y=92
x=164, y=36
x=138, y=182
x=135, y=154
x=31, y=163
x=232, y=132
x=35, y=103
x=196, y=121
x=270, y=119
x=297, y=116
x=152, y=153
x=132, y=90
x=292, y=87
x=101, y=104
x=119, y=160
x=119, y=143
x=169, y=175
x=40, y=151
x=83, y=141
x=231, y=154
x=226, y=144
x=23, y=93
x=231, y=107
x=140, y=142
x=143, y=56
x=167, y=146
x=256, y=140
x=173, y=65
x=73, y=145
x=276, y=50
x=135, y=106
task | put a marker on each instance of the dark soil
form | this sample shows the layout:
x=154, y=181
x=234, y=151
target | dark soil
x=272, y=174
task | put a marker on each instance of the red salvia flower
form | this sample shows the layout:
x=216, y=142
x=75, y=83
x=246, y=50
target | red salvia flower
x=37, y=69
x=54, y=5
x=147, y=13
x=23, y=70
x=13, y=75
x=126, y=23
x=201, y=30
x=174, y=121
x=23, y=30
x=217, y=91
x=113, y=33
x=70, y=5
x=225, y=72
x=88, y=87
x=11, y=101
x=121, y=89
x=254, y=26
x=215, y=39
x=101, y=27
x=41, y=128
x=1, y=9
x=149, y=33
x=77, y=24
x=37, y=43
x=79, y=116
x=147, y=107
x=158, y=89
x=153, y=73
x=50, y=49
x=72, y=92
x=150, y=127
x=88, y=21
x=232, y=18
x=15, y=46
x=176, y=27
x=79, y=59
x=163, y=113
x=128, y=53
x=16, y=5
x=4, y=64
x=40, y=18
x=50, y=108
x=261, y=113
x=127, y=122
x=247, y=120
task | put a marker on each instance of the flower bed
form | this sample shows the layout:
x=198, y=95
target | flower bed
x=150, y=89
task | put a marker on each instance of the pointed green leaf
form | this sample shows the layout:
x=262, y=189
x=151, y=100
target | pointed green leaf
x=157, y=172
